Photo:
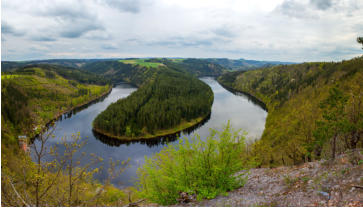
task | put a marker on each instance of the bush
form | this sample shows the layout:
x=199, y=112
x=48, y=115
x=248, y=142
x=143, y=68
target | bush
x=205, y=168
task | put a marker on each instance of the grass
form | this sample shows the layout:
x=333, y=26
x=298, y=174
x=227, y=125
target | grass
x=141, y=62
x=177, y=60
x=9, y=76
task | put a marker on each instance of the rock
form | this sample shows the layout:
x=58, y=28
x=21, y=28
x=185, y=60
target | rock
x=184, y=197
x=353, y=188
x=324, y=194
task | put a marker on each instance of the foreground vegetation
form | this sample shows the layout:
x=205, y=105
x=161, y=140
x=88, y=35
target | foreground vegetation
x=31, y=97
x=204, y=167
x=167, y=101
x=315, y=109
x=59, y=182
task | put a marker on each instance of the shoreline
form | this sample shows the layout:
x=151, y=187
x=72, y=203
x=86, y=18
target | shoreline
x=160, y=133
x=250, y=96
x=58, y=115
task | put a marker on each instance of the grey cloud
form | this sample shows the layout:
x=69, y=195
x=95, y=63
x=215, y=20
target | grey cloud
x=74, y=20
x=65, y=11
x=224, y=32
x=108, y=47
x=182, y=42
x=322, y=4
x=99, y=35
x=8, y=29
x=292, y=8
x=43, y=38
x=132, y=6
x=77, y=30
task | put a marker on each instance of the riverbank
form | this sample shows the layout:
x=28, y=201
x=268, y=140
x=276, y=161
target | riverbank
x=250, y=96
x=46, y=125
x=159, y=133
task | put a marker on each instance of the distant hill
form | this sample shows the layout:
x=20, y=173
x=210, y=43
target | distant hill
x=243, y=64
x=125, y=69
x=199, y=67
x=75, y=63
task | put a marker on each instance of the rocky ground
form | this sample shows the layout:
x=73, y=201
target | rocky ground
x=321, y=183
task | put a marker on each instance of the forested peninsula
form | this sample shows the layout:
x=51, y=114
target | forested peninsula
x=166, y=102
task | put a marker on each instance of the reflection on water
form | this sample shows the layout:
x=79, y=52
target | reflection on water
x=161, y=140
x=242, y=111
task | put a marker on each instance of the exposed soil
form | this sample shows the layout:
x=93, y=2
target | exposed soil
x=321, y=183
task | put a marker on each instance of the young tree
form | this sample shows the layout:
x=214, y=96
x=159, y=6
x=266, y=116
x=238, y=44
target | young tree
x=334, y=123
x=360, y=40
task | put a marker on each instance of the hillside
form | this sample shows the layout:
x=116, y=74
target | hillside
x=197, y=67
x=118, y=71
x=244, y=64
x=310, y=106
x=73, y=63
x=122, y=69
x=34, y=95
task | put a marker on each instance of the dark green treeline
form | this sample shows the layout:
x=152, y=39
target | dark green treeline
x=164, y=101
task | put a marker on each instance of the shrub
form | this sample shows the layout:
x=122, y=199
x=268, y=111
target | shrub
x=202, y=167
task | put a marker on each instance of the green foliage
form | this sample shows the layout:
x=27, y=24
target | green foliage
x=32, y=96
x=50, y=71
x=142, y=62
x=58, y=182
x=243, y=64
x=335, y=122
x=197, y=67
x=360, y=40
x=202, y=167
x=168, y=99
x=293, y=95
x=117, y=71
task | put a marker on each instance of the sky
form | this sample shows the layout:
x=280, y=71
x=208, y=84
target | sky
x=275, y=30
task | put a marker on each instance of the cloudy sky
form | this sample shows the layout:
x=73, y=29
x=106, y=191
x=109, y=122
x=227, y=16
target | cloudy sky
x=281, y=30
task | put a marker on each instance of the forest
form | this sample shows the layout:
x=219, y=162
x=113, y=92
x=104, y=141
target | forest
x=34, y=95
x=315, y=112
x=315, y=109
x=168, y=100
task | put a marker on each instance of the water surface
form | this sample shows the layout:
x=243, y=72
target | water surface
x=241, y=111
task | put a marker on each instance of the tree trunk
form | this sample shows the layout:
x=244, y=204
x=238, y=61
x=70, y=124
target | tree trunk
x=334, y=146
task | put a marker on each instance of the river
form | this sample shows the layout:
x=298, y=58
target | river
x=240, y=110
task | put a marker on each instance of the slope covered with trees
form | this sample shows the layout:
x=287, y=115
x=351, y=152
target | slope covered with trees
x=315, y=109
x=118, y=71
x=198, y=67
x=243, y=64
x=166, y=103
x=34, y=95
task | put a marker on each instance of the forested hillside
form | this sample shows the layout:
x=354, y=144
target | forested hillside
x=118, y=71
x=166, y=103
x=33, y=95
x=74, y=63
x=315, y=109
x=198, y=67
x=243, y=64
